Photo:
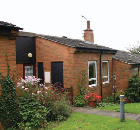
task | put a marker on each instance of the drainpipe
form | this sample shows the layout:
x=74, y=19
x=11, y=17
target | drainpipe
x=101, y=72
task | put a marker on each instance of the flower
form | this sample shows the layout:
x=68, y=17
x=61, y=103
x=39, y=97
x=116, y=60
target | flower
x=92, y=97
x=26, y=88
x=38, y=92
x=129, y=100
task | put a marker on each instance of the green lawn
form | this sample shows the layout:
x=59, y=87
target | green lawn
x=81, y=121
x=129, y=108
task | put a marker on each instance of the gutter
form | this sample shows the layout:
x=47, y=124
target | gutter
x=96, y=50
x=101, y=73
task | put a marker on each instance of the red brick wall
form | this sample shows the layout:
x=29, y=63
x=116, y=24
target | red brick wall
x=88, y=35
x=73, y=64
x=123, y=71
x=7, y=45
x=19, y=68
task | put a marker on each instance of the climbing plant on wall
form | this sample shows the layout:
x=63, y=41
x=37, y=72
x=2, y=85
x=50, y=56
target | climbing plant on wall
x=9, y=114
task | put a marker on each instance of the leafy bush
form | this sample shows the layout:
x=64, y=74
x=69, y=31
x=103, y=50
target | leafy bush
x=33, y=113
x=110, y=99
x=79, y=99
x=133, y=91
x=60, y=109
x=30, y=106
x=52, y=98
x=9, y=113
x=103, y=104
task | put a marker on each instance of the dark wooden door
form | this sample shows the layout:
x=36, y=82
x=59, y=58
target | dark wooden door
x=41, y=72
x=57, y=72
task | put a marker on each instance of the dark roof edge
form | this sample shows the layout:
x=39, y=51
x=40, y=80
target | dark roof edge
x=96, y=50
x=14, y=27
x=136, y=65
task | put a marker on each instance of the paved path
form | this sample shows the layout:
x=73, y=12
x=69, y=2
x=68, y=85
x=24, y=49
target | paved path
x=89, y=110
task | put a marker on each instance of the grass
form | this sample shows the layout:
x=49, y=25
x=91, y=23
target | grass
x=81, y=121
x=129, y=108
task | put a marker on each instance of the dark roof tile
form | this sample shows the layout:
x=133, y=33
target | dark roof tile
x=127, y=57
x=76, y=43
x=10, y=25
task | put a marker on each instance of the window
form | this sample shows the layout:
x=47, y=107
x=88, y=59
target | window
x=136, y=71
x=105, y=68
x=28, y=70
x=92, y=68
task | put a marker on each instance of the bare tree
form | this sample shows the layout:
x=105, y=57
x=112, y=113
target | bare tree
x=135, y=49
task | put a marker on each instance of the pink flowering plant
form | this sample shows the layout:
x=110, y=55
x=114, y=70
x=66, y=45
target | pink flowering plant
x=92, y=97
x=52, y=97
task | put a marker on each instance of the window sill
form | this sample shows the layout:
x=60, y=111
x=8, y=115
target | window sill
x=93, y=85
x=106, y=82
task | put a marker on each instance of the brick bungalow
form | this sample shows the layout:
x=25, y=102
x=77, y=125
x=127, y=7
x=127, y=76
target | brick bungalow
x=61, y=59
x=125, y=65
x=8, y=35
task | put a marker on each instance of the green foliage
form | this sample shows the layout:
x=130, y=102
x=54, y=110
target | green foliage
x=9, y=113
x=133, y=89
x=52, y=98
x=110, y=99
x=103, y=104
x=60, y=110
x=33, y=113
x=79, y=99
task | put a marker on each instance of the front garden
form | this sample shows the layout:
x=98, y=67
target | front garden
x=30, y=105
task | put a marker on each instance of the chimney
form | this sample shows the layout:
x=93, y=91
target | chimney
x=88, y=33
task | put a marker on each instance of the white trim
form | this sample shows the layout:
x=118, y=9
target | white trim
x=108, y=72
x=95, y=75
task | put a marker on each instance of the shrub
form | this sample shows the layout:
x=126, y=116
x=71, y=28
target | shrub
x=110, y=99
x=33, y=113
x=9, y=113
x=79, y=99
x=133, y=91
x=60, y=109
x=31, y=108
x=44, y=96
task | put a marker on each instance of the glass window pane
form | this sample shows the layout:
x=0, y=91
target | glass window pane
x=28, y=70
x=105, y=68
x=105, y=79
x=92, y=82
x=92, y=70
x=136, y=70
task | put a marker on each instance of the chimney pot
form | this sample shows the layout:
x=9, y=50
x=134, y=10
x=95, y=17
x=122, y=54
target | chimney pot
x=88, y=24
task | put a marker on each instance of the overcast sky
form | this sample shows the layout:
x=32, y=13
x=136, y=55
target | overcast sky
x=116, y=23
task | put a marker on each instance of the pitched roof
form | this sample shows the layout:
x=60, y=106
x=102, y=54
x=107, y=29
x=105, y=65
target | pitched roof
x=79, y=44
x=9, y=25
x=75, y=43
x=127, y=57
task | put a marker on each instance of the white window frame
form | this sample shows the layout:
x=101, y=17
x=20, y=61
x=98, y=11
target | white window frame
x=108, y=72
x=96, y=74
x=136, y=69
